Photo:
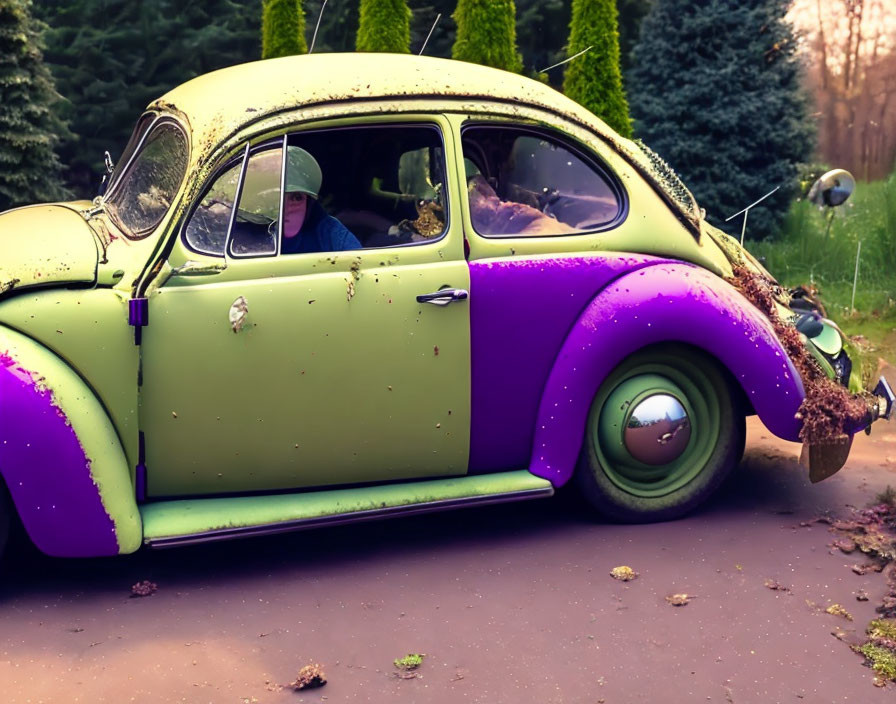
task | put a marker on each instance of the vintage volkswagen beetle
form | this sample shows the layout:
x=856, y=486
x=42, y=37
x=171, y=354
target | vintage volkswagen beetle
x=534, y=299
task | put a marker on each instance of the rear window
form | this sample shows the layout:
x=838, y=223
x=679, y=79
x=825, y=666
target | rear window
x=531, y=183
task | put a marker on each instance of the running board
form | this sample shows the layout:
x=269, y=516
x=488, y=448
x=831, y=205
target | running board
x=185, y=522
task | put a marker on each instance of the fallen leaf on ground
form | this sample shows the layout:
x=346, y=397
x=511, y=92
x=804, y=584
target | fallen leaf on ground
x=867, y=567
x=309, y=677
x=845, y=545
x=837, y=610
x=624, y=573
x=679, y=599
x=144, y=588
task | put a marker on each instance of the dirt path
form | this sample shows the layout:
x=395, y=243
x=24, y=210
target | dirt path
x=510, y=604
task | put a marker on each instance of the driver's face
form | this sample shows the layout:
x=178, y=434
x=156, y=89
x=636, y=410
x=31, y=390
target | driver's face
x=294, y=209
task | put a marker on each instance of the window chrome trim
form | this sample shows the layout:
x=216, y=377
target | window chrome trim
x=250, y=152
x=211, y=182
x=117, y=175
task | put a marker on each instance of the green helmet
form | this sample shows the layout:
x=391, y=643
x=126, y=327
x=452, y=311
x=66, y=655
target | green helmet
x=302, y=172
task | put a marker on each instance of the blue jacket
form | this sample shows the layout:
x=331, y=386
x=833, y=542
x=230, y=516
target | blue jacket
x=320, y=233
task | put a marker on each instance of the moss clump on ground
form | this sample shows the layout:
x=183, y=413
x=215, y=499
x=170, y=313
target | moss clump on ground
x=873, y=530
x=411, y=661
x=881, y=660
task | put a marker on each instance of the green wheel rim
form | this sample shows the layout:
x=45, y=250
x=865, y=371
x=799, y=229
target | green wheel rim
x=634, y=381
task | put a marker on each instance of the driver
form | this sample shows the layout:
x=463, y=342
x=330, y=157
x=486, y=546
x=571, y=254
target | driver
x=306, y=226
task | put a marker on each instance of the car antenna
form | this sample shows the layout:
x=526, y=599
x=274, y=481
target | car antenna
x=566, y=61
x=746, y=212
x=431, y=30
x=317, y=27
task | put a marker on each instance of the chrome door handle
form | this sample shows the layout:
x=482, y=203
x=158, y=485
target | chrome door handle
x=443, y=297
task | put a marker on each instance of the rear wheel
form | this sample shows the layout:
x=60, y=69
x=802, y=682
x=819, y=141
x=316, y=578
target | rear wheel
x=663, y=432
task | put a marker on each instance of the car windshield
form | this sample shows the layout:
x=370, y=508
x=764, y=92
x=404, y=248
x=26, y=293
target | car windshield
x=143, y=194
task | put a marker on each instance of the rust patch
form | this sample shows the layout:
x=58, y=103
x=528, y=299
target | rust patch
x=8, y=285
x=239, y=311
x=829, y=409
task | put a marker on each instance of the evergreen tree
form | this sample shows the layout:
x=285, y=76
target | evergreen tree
x=715, y=90
x=541, y=33
x=424, y=13
x=112, y=57
x=338, y=28
x=486, y=34
x=631, y=12
x=29, y=168
x=594, y=79
x=385, y=25
x=282, y=29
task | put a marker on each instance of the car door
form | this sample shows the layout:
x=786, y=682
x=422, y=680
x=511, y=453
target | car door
x=321, y=368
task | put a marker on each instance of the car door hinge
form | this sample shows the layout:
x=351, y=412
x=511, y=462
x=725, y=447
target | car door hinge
x=138, y=317
x=140, y=471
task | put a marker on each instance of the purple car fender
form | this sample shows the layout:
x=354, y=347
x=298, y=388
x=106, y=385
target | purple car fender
x=60, y=456
x=666, y=302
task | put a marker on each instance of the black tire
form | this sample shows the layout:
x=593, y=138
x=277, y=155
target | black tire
x=624, y=489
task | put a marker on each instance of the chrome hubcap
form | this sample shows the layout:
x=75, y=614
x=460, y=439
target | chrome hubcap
x=658, y=430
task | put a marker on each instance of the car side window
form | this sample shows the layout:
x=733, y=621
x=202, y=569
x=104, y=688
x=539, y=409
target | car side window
x=256, y=223
x=206, y=230
x=364, y=187
x=526, y=182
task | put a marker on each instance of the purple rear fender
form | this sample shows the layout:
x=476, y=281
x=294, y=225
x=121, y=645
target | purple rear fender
x=666, y=302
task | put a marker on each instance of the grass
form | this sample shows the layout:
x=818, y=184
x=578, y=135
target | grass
x=811, y=251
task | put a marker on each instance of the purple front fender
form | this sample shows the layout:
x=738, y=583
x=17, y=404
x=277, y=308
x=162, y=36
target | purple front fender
x=661, y=303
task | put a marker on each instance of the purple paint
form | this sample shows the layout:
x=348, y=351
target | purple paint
x=47, y=472
x=521, y=312
x=663, y=303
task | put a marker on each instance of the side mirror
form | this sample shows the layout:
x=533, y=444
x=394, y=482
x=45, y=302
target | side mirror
x=832, y=189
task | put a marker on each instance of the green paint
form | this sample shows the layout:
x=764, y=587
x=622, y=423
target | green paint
x=89, y=330
x=108, y=466
x=189, y=517
x=45, y=244
x=333, y=379
x=612, y=406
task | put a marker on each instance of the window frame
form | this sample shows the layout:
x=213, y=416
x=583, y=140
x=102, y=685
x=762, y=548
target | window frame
x=228, y=164
x=251, y=150
x=390, y=124
x=254, y=144
x=610, y=178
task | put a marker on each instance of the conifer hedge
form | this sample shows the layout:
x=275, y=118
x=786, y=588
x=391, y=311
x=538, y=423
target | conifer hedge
x=594, y=79
x=715, y=90
x=486, y=34
x=385, y=25
x=29, y=168
x=282, y=29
